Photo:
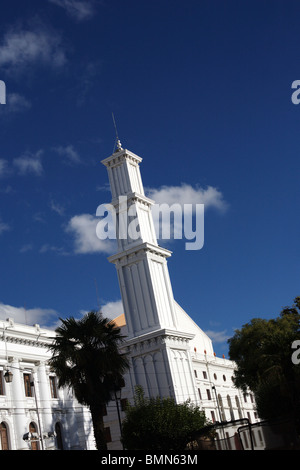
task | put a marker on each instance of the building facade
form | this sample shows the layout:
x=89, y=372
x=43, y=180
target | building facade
x=34, y=413
x=169, y=354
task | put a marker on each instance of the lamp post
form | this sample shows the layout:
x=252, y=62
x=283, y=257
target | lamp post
x=118, y=394
x=38, y=415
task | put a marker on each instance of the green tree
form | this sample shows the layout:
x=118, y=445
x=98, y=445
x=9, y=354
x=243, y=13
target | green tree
x=86, y=358
x=262, y=350
x=159, y=424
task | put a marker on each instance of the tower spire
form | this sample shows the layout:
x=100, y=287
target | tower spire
x=117, y=142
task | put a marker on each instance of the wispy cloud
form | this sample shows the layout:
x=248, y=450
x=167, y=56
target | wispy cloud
x=22, y=47
x=218, y=336
x=56, y=207
x=69, y=154
x=26, y=248
x=3, y=227
x=80, y=10
x=50, y=248
x=15, y=104
x=4, y=170
x=29, y=163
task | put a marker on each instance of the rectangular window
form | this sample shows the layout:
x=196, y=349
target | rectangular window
x=208, y=394
x=53, y=387
x=213, y=417
x=204, y=374
x=27, y=386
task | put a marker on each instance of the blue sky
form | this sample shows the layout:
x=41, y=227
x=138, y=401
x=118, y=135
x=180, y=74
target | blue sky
x=201, y=90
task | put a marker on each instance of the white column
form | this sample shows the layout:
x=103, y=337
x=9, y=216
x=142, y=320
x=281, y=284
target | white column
x=18, y=398
x=44, y=397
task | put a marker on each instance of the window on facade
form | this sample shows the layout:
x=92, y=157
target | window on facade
x=204, y=374
x=34, y=441
x=237, y=402
x=53, y=386
x=1, y=383
x=208, y=394
x=213, y=417
x=230, y=407
x=199, y=391
x=4, y=437
x=195, y=372
x=27, y=386
x=220, y=401
x=59, y=440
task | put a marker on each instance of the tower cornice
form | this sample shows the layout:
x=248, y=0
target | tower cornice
x=140, y=249
x=133, y=197
x=118, y=157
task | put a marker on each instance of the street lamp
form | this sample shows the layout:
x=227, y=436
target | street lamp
x=8, y=376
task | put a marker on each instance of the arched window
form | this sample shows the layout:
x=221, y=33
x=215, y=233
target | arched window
x=237, y=402
x=59, y=440
x=4, y=437
x=220, y=401
x=230, y=407
x=34, y=442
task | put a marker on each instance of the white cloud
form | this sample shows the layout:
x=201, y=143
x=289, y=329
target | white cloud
x=29, y=163
x=70, y=154
x=112, y=309
x=177, y=208
x=43, y=316
x=23, y=47
x=83, y=229
x=186, y=194
x=80, y=10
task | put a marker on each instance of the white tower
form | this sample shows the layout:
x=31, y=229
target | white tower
x=160, y=352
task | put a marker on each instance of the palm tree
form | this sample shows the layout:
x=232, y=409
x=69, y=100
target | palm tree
x=86, y=357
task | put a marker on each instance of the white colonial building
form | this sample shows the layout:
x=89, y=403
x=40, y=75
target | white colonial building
x=34, y=413
x=170, y=355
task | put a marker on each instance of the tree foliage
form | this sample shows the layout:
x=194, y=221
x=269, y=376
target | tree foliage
x=159, y=424
x=86, y=358
x=262, y=350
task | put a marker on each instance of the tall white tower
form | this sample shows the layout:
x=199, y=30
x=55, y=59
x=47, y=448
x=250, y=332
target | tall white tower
x=159, y=351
